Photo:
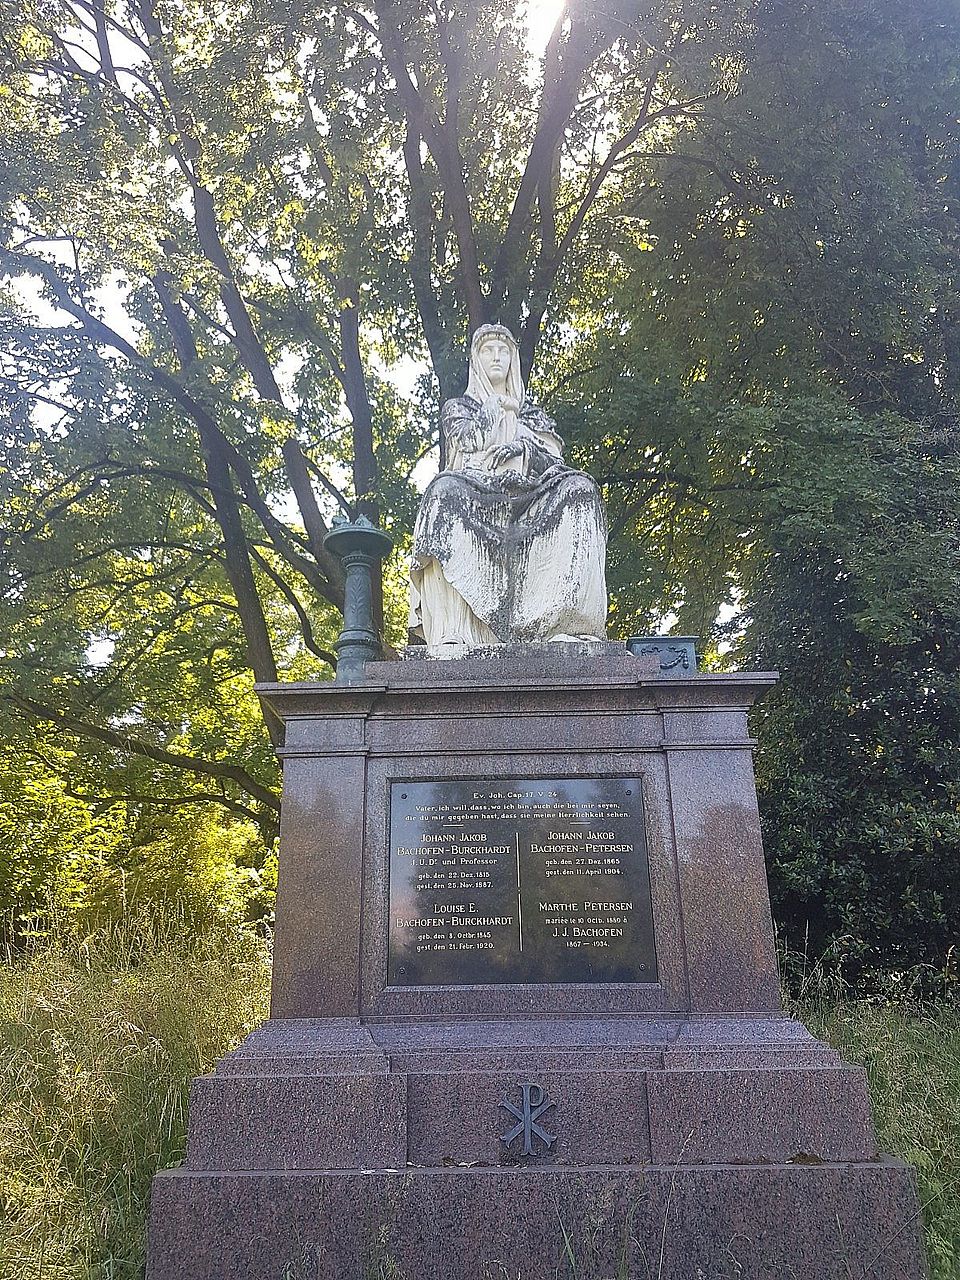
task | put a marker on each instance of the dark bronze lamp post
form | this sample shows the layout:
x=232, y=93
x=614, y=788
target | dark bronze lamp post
x=360, y=546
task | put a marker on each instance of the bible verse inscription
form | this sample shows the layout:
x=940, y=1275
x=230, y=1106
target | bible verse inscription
x=527, y=880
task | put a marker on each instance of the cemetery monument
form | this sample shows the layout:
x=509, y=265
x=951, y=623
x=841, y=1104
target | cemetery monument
x=525, y=1015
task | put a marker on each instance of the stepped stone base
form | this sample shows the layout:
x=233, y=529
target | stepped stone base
x=689, y=1148
x=686, y=1129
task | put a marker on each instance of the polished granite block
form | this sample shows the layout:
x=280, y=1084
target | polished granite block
x=298, y=1122
x=747, y=1115
x=715, y=1222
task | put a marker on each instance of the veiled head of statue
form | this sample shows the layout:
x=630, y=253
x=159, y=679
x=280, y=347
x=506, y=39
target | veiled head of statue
x=494, y=364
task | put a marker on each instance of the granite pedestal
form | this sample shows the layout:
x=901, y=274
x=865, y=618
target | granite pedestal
x=418, y=1106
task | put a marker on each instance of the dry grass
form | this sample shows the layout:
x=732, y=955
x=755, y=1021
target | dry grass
x=99, y=1041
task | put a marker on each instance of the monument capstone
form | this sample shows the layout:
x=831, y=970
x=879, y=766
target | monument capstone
x=525, y=1014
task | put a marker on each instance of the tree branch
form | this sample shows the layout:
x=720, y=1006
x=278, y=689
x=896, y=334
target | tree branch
x=549, y=265
x=252, y=617
x=566, y=60
x=102, y=803
x=248, y=342
x=443, y=147
x=423, y=224
x=129, y=742
x=101, y=333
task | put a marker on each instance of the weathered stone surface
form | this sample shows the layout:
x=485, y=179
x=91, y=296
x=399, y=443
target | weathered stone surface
x=503, y=666
x=744, y=1116
x=318, y=897
x=728, y=938
x=289, y=1122
x=510, y=542
x=428, y=1093
x=544, y=715
x=307, y=1046
x=746, y=1041
x=329, y=1046
x=594, y=1117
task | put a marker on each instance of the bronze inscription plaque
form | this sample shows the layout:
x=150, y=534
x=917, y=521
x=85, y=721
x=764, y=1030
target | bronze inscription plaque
x=526, y=880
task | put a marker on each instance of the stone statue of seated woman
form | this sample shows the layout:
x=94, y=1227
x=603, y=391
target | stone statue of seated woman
x=510, y=543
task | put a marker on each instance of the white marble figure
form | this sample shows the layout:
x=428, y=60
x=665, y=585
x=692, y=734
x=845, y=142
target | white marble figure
x=510, y=543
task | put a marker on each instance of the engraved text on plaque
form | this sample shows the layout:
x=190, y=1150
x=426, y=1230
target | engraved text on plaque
x=522, y=881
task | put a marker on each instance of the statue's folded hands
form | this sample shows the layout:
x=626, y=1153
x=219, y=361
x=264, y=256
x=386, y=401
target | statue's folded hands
x=503, y=452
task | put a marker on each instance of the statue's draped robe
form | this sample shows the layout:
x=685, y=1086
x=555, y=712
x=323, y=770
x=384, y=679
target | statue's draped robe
x=507, y=552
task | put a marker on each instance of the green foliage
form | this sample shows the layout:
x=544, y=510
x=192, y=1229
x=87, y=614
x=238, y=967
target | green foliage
x=73, y=867
x=779, y=268
x=860, y=745
x=911, y=1054
x=44, y=833
x=98, y=1044
x=206, y=871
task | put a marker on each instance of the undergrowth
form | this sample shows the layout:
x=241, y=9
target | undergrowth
x=911, y=1054
x=99, y=1040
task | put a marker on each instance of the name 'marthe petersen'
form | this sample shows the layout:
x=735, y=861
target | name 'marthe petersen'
x=587, y=906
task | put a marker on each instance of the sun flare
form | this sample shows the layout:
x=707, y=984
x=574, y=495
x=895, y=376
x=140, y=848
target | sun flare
x=541, y=17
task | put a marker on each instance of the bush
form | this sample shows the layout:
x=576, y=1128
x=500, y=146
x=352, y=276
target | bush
x=857, y=602
x=68, y=866
x=207, y=871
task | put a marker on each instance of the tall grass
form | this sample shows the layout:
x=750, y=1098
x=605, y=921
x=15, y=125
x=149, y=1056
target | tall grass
x=911, y=1053
x=99, y=1040
x=98, y=1043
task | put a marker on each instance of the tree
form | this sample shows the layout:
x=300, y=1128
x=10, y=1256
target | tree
x=796, y=251
x=728, y=234
x=777, y=410
x=221, y=224
x=860, y=746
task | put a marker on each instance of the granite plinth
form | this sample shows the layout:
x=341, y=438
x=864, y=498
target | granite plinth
x=314, y=1121
x=715, y=1222
x=533, y=712
x=721, y=1116
x=689, y=1130
x=434, y=1095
